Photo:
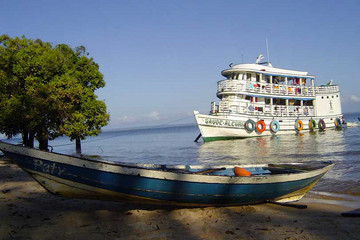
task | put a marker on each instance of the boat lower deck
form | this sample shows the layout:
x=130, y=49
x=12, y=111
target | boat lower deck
x=214, y=127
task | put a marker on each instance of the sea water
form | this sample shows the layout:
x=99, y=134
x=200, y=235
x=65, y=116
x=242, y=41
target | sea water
x=175, y=145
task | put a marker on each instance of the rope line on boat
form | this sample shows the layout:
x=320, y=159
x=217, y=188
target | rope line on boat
x=121, y=132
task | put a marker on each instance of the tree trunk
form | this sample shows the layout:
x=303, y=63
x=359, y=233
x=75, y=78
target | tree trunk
x=78, y=145
x=43, y=144
x=25, y=138
x=43, y=141
x=31, y=139
x=28, y=139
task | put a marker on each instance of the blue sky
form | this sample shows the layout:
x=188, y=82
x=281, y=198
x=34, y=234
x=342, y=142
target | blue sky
x=161, y=59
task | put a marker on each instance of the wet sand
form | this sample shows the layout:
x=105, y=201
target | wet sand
x=27, y=211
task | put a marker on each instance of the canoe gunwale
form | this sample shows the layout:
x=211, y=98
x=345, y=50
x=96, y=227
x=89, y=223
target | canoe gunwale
x=141, y=170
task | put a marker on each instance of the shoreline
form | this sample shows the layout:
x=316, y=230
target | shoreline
x=29, y=212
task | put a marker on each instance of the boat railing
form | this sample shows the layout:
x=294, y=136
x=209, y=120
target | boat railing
x=267, y=110
x=241, y=86
x=327, y=89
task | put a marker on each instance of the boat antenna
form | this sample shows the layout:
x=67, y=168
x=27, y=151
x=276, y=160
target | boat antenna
x=267, y=50
x=258, y=59
x=242, y=57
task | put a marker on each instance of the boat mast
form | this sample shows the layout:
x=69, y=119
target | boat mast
x=267, y=50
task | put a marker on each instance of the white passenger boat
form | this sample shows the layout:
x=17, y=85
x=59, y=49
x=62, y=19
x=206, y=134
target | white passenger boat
x=259, y=99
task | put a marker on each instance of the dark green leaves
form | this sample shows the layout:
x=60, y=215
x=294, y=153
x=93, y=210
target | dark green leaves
x=47, y=91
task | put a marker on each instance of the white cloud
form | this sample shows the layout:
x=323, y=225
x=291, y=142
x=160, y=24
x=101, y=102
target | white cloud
x=130, y=120
x=350, y=103
x=354, y=98
x=154, y=115
x=153, y=118
x=125, y=119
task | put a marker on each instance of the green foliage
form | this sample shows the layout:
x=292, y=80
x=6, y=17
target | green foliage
x=47, y=91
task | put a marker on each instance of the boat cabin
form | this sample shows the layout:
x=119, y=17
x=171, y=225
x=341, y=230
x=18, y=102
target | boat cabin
x=258, y=89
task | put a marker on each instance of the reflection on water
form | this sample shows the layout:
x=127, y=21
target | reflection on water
x=284, y=148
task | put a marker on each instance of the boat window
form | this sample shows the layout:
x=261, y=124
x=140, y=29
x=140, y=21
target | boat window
x=276, y=80
x=279, y=80
x=279, y=101
x=291, y=81
x=267, y=78
x=248, y=76
x=308, y=103
x=304, y=81
x=243, y=76
x=235, y=76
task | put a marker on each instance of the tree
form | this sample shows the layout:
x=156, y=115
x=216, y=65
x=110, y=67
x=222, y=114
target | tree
x=88, y=113
x=47, y=91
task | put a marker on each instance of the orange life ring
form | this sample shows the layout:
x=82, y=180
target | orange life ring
x=262, y=124
x=299, y=125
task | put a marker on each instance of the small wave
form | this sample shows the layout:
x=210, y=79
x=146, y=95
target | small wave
x=352, y=124
x=338, y=186
x=333, y=199
x=343, y=153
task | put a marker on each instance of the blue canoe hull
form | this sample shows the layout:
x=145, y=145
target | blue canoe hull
x=134, y=184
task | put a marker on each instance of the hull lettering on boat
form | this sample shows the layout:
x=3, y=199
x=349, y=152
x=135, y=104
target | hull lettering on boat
x=39, y=165
x=223, y=122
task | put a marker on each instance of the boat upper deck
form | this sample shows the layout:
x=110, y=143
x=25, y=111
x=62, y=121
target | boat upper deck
x=264, y=69
x=261, y=89
x=267, y=81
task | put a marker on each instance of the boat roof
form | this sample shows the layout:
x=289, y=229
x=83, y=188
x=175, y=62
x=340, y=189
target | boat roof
x=265, y=69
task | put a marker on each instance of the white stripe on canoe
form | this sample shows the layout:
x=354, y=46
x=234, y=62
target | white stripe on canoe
x=131, y=169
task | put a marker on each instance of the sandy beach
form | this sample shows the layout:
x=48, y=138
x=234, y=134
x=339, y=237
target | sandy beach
x=27, y=211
